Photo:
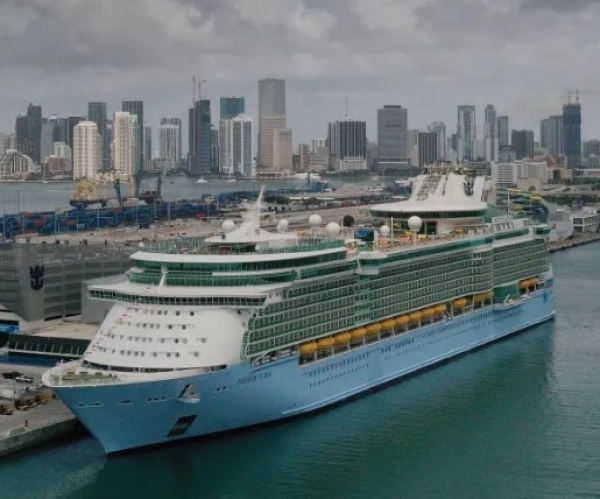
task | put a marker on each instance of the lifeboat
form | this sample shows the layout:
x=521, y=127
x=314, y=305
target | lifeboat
x=308, y=348
x=428, y=312
x=342, y=338
x=489, y=295
x=440, y=309
x=402, y=320
x=460, y=303
x=415, y=316
x=388, y=324
x=524, y=284
x=358, y=334
x=479, y=298
x=373, y=329
x=324, y=343
x=533, y=282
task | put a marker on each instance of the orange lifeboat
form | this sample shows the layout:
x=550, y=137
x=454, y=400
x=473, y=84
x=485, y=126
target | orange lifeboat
x=415, y=316
x=489, y=295
x=308, y=348
x=388, y=324
x=342, y=338
x=358, y=334
x=325, y=343
x=373, y=329
x=440, y=309
x=460, y=303
x=479, y=298
x=524, y=284
x=428, y=312
x=402, y=320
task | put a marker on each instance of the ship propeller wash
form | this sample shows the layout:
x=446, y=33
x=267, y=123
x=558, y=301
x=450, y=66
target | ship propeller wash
x=248, y=326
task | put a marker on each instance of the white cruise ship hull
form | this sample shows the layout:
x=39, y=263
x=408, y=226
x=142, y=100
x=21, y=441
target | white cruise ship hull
x=124, y=416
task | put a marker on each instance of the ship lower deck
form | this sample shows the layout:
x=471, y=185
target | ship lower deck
x=127, y=416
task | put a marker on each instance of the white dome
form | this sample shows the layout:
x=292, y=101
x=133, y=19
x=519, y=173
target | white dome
x=333, y=229
x=415, y=223
x=384, y=230
x=228, y=225
x=315, y=220
x=283, y=225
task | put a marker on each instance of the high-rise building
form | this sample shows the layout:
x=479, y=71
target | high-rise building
x=235, y=145
x=200, y=137
x=271, y=116
x=169, y=137
x=466, y=132
x=413, y=147
x=552, y=135
x=522, y=143
x=317, y=145
x=147, y=145
x=347, y=142
x=282, y=150
x=304, y=157
x=97, y=114
x=439, y=128
x=177, y=122
x=72, y=122
x=591, y=147
x=28, y=130
x=136, y=108
x=503, y=132
x=4, y=143
x=572, y=132
x=62, y=150
x=47, y=136
x=427, y=144
x=490, y=134
x=392, y=136
x=214, y=150
x=230, y=107
x=124, y=144
x=86, y=152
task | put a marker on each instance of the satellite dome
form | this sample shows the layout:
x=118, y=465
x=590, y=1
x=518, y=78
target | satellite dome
x=415, y=223
x=228, y=225
x=384, y=230
x=283, y=225
x=333, y=229
x=315, y=220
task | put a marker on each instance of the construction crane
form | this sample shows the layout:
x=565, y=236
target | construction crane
x=572, y=95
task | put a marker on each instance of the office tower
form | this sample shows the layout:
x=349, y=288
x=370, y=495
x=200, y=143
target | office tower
x=62, y=150
x=28, y=131
x=591, y=147
x=466, y=132
x=61, y=130
x=177, y=122
x=86, y=152
x=230, y=107
x=439, y=128
x=214, y=150
x=147, y=148
x=572, y=133
x=490, y=134
x=392, y=136
x=97, y=114
x=71, y=122
x=303, y=157
x=4, y=143
x=552, y=134
x=136, y=108
x=47, y=136
x=282, y=150
x=200, y=137
x=235, y=145
x=413, y=147
x=317, y=145
x=503, y=133
x=124, y=144
x=169, y=138
x=347, y=142
x=522, y=143
x=427, y=145
x=271, y=116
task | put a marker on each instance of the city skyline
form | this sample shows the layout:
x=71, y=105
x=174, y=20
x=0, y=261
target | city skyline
x=372, y=53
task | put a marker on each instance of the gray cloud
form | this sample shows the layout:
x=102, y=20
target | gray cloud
x=429, y=55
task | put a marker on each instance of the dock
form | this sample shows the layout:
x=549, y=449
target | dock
x=575, y=241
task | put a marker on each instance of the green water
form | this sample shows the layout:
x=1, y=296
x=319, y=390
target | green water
x=519, y=419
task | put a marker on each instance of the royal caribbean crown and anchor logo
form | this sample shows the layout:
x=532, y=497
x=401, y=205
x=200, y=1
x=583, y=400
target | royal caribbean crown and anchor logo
x=36, y=275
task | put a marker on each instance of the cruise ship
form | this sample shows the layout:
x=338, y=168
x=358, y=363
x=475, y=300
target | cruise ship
x=248, y=327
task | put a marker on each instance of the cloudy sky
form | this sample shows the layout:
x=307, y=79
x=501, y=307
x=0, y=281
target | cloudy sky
x=427, y=55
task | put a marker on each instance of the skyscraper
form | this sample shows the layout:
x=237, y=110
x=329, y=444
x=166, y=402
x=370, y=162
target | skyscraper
x=124, y=144
x=440, y=130
x=427, y=143
x=235, y=145
x=136, y=108
x=169, y=137
x=147, y=145
x=97, y=114
x=490, y=134
x=466, y=132
x=572, y=132
x=282, y=150
x=503, y=136
x=552, y=134
x=177, y=122
x=271, y=116
x=28, y=130
x=86, y=154
x=522, y=143
x=392, y=136
x=72, y=121
x=347, y=142
x=200, y=137
x=230, y=107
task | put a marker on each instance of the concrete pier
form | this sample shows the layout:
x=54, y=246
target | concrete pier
x=576, y=240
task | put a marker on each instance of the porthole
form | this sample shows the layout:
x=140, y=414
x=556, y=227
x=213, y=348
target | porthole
x=183, y=327
x=192, y=314
x=178, y=313
x=170, y=326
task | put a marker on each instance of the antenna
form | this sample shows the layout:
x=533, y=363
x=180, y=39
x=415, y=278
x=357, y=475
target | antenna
x=193, y=90
x=346, y=105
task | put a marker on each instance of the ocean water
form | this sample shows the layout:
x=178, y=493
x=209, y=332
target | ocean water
x=518, y=419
